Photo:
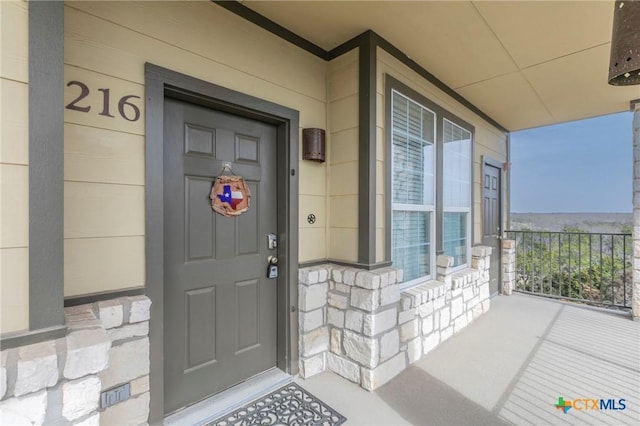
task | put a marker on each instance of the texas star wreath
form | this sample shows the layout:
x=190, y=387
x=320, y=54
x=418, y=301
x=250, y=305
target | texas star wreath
x=230, y=196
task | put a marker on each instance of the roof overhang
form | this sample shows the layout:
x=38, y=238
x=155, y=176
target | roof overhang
x=525, y=64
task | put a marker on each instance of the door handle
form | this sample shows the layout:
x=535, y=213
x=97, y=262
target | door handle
x=272, y=267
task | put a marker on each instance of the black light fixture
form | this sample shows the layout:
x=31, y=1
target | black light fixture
x=624, y=64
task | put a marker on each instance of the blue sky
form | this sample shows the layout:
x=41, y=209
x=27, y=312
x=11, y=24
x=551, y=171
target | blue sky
x=582, y=166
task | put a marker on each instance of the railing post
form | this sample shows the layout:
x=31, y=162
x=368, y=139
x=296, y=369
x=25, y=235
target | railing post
x=635, y=304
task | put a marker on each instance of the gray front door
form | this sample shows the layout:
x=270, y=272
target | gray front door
x=219, y=307
x=491, y=220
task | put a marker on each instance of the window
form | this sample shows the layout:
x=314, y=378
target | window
x=413, y=187
x=456, y=191
x=430, y=185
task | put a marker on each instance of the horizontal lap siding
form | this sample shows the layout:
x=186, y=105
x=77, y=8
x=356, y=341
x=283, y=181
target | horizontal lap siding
x=343, y=157
x=106, y=46
x=489, y=141
x=14, y=166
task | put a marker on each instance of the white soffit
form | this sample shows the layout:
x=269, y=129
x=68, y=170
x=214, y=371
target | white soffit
x=538, y=31
x=571, y=94
x=440, y=36
x=525, y=64
x=504, y=97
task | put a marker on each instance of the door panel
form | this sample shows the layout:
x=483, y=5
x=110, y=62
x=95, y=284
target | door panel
x=200, y=327
x=491, y=220
x=220, y=309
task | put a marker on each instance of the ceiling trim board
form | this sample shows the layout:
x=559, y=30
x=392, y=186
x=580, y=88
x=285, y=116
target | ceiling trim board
x=358, y=41
x=402, y=57
x=274, y=28
x=347, y=46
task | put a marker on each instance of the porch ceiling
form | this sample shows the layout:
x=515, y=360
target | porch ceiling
x=525, y=64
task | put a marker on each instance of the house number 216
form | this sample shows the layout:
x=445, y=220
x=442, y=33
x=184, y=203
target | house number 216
x=126, y=109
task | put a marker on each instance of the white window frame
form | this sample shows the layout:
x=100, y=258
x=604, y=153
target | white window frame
x=467, y=210
x=430, y=208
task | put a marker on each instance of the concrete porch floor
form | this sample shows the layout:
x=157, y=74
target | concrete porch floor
x=508, y=367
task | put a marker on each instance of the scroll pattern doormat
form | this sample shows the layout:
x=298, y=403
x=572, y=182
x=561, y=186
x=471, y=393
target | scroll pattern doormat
x=289, y=405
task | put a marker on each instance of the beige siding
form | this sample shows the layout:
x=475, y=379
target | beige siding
x=106, y=156
x=106, y=46
x=14, y=40
x=14, y=167
x=103, y=210
x=343, y=157
x=489, y=141
x=14, y=113
x=380, y=190
x=14, y=292
x=109, y=263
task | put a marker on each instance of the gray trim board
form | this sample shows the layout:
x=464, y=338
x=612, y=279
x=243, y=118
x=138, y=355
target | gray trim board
x=274, y=28
x=367, y=150
x=348, y=45
x=344, y=263
x=154, y=236
x=312, y=263
x=161, y=82
x=14, y=340
x=105, y=295
x=46, y=164
x=357, y=265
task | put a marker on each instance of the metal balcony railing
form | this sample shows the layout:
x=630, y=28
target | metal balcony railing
x=586, y=267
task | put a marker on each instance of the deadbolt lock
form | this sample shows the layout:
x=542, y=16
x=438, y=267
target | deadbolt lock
x=272, y=241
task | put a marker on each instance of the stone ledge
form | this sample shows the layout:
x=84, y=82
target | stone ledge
x=375, y=330
x=72, y=364
x=108, y=314
x=481, y=251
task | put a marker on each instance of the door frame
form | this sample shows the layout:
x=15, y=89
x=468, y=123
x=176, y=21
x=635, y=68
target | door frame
x=488, y=161
x=160, y=83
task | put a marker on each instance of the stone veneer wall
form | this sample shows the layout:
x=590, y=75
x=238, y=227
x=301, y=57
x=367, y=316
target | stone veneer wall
x=508, y=267
x=359, y=324
x=59, y=382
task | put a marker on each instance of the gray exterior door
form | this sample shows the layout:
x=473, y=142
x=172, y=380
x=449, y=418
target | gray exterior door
x=219, y=307
x=491, y=220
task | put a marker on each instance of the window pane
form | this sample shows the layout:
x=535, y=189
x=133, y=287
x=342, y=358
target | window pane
x=456, y=166
x=411, y=243
x=455, y=237
x=413, y=183
x=400, y=108
x=413, y=153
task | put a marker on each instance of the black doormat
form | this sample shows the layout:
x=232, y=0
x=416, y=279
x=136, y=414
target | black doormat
x=289, y=405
